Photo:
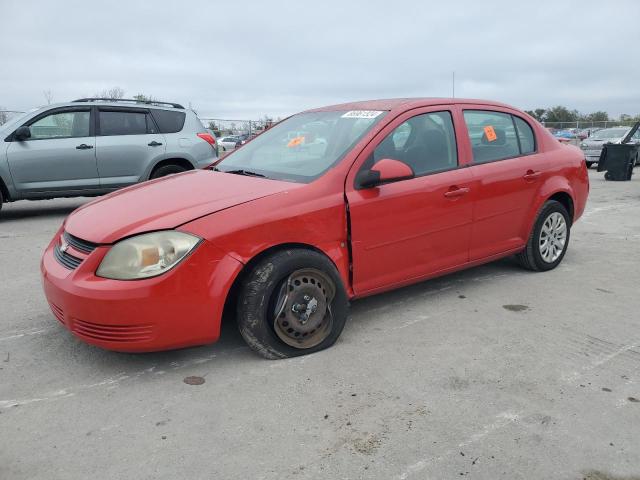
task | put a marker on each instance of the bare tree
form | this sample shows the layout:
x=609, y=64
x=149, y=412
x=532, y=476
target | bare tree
x=114, y=93
x=3, y=116
x=48, y=96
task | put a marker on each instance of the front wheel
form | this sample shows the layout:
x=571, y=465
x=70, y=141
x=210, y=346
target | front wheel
x=291, y=303
x=549, y=239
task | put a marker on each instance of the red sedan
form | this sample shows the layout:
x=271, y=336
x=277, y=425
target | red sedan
x=329, y=205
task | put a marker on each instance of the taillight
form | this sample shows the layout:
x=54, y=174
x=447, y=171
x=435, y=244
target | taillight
x=207, y=137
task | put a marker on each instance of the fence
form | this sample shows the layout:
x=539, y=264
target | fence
x=236, y=127
x=583, y=125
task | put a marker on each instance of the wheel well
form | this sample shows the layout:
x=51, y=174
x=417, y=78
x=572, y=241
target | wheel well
x=232, y=296
x=566, y=200
x=4, y=190
x=173, y=161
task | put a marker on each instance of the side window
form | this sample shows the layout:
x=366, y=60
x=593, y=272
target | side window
x=427, y=143
x=62, y=125
x=169, y=121
x=525, y=135
x=122, y=123
x=492, y=135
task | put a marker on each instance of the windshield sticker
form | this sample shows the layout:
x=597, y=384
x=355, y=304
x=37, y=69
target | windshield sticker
x=362, y=114
x=490, y=133
x=294, y=142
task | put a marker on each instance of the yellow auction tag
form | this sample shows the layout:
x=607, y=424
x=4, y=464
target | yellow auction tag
x=294, y=142
x=490, y=133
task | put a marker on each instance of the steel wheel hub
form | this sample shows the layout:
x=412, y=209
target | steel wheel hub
x=553, y=237
x=302, y=316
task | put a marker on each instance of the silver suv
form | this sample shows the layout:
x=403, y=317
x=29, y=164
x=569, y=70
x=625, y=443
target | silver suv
x=93, y=146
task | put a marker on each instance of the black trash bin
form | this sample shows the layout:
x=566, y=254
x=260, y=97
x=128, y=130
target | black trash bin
x=618, y=159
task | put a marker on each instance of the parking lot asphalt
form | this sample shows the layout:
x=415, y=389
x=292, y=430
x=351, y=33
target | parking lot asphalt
x=490, y=373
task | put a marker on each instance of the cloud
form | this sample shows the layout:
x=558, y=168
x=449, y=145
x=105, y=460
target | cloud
x=243, y=60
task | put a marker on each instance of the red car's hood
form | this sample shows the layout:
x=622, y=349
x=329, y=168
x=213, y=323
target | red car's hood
x=166, y=203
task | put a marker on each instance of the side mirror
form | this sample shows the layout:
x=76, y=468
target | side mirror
x=386, y=170
x=22, y=133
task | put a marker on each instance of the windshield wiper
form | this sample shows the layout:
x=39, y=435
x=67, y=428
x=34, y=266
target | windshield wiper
x=248, y=173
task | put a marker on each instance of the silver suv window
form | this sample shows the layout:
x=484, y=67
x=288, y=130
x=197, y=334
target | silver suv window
x=62, y=125
x=114, y=122
x=169, y=121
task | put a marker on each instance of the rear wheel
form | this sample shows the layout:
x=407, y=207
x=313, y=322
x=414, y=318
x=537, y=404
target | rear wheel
x=292, y=303
x=167, y=170
x=549, y=239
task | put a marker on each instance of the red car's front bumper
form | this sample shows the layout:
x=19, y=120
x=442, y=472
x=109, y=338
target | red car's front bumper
x=180, y=308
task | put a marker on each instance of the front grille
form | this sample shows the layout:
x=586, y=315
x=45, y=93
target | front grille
x=67, y=260
x=79, y=244
x=57, y=311
x=112, y=333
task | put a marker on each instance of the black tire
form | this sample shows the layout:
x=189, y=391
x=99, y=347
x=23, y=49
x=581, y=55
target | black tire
x=261, y=290
x=167, y=170
x=590, y=164
x=531, y=257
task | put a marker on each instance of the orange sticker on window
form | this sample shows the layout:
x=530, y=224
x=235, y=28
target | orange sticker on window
x=490, y=133
x=294, y=142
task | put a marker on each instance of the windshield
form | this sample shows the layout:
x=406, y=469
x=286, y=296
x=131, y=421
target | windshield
x=302, y=147
x=609, y=133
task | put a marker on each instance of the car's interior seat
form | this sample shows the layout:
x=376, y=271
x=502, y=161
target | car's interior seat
x=492, y=150
x=428, y=152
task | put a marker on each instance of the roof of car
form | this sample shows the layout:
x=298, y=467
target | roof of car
x=404, y=103
x=115, y=103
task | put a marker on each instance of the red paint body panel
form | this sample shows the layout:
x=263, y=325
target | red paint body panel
x=165, y=203
x=379, y=238
x=180, y=308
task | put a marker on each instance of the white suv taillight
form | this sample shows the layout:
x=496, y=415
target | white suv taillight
x=207, y=137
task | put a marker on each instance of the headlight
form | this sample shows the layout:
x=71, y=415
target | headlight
x=146, y=255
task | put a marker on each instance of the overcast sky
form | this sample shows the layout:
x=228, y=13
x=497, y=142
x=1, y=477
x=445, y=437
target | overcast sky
x=246, y=59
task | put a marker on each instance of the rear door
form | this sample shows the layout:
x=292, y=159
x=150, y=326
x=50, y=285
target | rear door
x=127, y=142
x=409, y=229
x=59, y=156
x=508, y=171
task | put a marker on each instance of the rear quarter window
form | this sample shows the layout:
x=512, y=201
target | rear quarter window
x=525, y=135
x=169, y=121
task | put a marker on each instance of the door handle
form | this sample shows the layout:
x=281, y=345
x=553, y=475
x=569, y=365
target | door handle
x=154, y=144
x=455, y=192
x=530, y=176
x=84, y=146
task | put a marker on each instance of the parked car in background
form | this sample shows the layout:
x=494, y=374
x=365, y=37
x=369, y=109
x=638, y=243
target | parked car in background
x=567, y=134
x=592, y=146
x=228, y=142
x=93, y=146
x=391, y=193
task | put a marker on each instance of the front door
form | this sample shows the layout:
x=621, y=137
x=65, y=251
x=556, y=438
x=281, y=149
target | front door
x=59, y=155
x=414, y=228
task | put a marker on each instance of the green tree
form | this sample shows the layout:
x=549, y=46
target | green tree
x=561, y=114
x=538, y=113
x=141, y=97
x=598, y=116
